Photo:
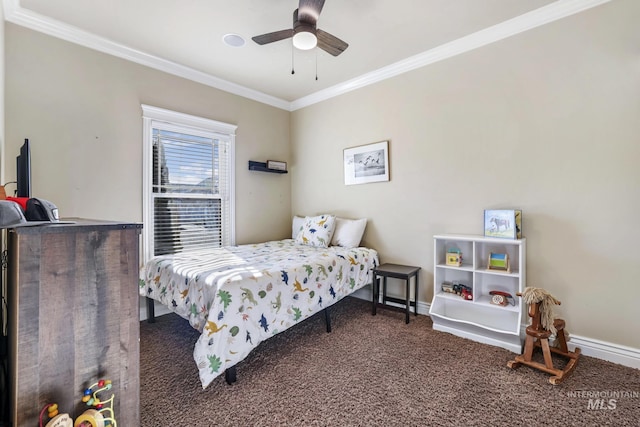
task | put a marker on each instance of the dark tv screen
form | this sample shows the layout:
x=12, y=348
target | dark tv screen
x=23, y=169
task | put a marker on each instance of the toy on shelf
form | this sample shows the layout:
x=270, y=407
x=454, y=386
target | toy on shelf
x=459, y=289
x=466, y=292
x=454, y=257
x=501, y=298
x=499, y=262
x=448, y=287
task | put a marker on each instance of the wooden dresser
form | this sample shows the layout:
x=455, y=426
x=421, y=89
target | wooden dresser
x=73, y=317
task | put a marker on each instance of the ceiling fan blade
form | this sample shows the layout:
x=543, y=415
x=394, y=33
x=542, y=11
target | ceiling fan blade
x=273, y=37
x=309, y=10
x=330, y=43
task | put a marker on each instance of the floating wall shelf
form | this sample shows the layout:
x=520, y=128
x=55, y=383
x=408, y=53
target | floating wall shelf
x=262, y=167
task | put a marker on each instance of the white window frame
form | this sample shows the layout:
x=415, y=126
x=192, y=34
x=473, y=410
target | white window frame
x=180, y=122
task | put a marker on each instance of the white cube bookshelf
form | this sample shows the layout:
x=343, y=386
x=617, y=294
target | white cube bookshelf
x=478, y=319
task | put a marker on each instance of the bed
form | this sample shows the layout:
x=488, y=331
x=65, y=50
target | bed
x=239, y=296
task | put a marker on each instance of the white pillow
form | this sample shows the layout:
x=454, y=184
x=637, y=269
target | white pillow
x=317, y=231
x=348, y=232
x=296, y=226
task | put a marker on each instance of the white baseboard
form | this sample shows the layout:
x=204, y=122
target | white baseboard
x=616, y=353
x=623, y=355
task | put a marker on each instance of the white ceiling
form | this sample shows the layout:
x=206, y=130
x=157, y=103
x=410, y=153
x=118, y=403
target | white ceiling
x=385, y=37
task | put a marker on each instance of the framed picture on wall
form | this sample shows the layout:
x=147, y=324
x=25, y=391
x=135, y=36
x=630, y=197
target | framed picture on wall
x=366, y=163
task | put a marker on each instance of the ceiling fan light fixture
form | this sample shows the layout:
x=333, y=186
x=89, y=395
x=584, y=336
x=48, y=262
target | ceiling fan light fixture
x=305, y=33
x=304, y=39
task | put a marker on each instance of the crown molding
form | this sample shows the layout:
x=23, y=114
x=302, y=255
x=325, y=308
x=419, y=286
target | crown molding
x=559, y=9
x=538, y=17
x=37, y=22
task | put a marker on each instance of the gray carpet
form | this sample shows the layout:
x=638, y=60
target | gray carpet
x=372, y=370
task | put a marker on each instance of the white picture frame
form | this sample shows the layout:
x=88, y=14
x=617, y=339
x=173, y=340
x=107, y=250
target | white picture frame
x=366, y=163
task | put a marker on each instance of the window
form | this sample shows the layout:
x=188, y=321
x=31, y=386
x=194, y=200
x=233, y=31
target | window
x=188, y=182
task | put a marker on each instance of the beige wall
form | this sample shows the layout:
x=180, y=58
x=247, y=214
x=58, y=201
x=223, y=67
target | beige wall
x=546, y=121
x=81, y=111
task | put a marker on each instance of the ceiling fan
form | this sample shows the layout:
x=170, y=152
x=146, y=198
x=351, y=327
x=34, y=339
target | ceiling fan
x=304, y=32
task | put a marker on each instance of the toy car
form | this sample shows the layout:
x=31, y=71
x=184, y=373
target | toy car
x=463, y=290
x=466, y=293
x=448, y=287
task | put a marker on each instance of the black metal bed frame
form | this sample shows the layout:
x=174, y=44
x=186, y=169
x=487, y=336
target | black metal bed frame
x=230, y=374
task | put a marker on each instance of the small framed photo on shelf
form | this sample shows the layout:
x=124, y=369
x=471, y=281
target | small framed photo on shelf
x=276, y=165
x=504, y=223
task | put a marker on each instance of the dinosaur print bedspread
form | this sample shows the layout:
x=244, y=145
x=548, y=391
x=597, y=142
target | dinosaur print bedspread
x=239, y=296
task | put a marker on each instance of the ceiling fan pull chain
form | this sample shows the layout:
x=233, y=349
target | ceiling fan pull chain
x=292, y=63
x=316, y=64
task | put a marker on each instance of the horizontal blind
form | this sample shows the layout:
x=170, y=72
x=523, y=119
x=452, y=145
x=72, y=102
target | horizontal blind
x=183, y=224
x=189, y=188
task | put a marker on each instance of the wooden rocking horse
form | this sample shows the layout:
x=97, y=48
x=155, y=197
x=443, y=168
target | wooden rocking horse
x=542, y=326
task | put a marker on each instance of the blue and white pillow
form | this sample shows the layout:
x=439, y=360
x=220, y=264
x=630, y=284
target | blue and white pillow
x=317, y=231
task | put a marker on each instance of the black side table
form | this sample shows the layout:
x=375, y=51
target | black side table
x=396, y=271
